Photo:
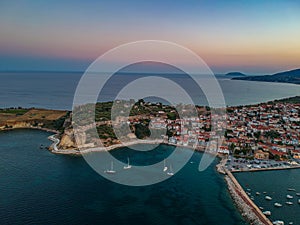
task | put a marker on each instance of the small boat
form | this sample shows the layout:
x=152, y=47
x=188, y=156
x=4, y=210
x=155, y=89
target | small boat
x=264, y=192
x=262, y=208
x=111, y=171
x=257, y=193
x=298, y=194
x=248, y=193
x=128, y=165
x=267, y=213
x=291, y=189
x=291, y=223
x=299, y=201
x=268, y=198
x=278, y=222
x=248, y=189
x=170, y=173
x=289, y=203
x=252, y=198
x=276, y=204
x=165, y=167
x=289, y=196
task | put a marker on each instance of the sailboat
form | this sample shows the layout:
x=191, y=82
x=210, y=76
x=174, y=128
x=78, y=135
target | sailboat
x=128, y=165
x=165, y=167
x=111, y=171
x=170, y=173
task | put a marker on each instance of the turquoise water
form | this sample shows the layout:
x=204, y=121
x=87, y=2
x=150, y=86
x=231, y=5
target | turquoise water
x=37, y=187
x=276, y=184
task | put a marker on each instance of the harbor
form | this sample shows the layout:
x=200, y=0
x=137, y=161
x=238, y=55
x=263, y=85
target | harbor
x=279, y=196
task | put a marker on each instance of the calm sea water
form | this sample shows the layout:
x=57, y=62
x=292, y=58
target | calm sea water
x=276, y=184
x=56, y=90
x=37, y=187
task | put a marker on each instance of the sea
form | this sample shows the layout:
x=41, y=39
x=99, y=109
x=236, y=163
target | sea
x=277, y=184
x=55, y=90
x=37, y=187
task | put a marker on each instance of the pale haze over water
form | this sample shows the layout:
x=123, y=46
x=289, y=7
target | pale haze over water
x=56, y=90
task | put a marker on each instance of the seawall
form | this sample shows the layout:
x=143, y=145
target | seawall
x=249, y=210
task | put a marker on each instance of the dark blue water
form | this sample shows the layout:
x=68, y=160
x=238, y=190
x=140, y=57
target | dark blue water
x=56, y=90
x=276, y=184
x=37, y=187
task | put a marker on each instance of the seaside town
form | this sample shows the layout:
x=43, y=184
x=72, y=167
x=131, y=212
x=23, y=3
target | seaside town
x=262, y=136
x=246, y=138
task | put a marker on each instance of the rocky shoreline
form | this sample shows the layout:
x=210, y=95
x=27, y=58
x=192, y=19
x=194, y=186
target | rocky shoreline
x=54, y=147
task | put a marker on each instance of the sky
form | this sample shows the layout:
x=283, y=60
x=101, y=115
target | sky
x=254, y=37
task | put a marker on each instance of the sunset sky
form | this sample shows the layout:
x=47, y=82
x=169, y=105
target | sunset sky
x=254, y=37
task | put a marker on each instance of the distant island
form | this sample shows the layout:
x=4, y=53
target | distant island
x=292, y=76
x=235, y=74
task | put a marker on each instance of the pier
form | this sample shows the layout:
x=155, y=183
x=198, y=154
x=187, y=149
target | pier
x=248, y=208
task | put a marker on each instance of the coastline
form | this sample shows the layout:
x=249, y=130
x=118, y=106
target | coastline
x=248, y=209
x=32, y=128
x=54, y=147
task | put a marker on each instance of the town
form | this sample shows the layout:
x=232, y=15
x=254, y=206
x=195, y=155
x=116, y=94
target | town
x=259, y=136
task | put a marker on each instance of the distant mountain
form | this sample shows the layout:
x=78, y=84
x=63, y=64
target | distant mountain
x=235, y=74
x=292, y=76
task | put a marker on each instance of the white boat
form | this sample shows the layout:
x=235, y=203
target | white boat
x=299, y=201
x=267, y=213
x=128, y=165
x=268, y=198
x=298, y=194
x=261, y=207
x=289, y=203
x=165, y=167
x=170, y=173
x=289, y=196
x=264, y=192
x=277, y=204
x=278, y=222
x=111, y=171
x=291, y=223
x=291, y=189
x=257, y=193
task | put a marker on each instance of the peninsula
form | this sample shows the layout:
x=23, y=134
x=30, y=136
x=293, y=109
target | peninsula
x=292, y=76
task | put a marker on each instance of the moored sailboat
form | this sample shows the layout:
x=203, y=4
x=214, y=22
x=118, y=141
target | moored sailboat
x=128, y=165
x=111, y=170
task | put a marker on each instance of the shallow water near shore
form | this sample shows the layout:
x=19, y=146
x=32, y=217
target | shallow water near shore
x=276, y=184
x=37, y=187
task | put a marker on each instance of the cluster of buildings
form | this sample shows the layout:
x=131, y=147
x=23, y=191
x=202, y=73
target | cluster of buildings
x=265, y=130
x=255, y=132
